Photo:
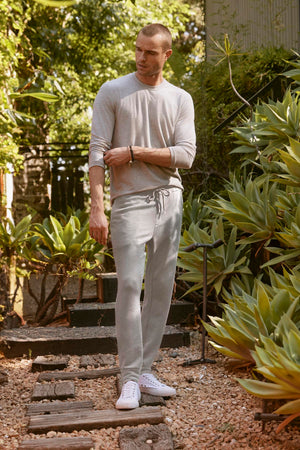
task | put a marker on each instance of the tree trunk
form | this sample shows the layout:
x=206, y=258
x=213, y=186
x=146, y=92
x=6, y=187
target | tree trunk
x=48, y=310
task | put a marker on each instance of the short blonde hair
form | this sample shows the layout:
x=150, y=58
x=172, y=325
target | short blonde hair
x=157, y=28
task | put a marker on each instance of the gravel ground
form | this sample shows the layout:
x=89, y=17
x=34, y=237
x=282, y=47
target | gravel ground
x=211, y=410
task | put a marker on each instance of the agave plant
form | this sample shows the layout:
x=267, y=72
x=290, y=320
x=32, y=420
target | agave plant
x=247, y=317
x=290, y=237
x=287, y=203
x=65, y=250
x=13, y=237
x=12, y=242
x=222, y=262
x=273, y=124
x=294, y=73
x=81, y=214
x=251, y=208
x=290, y=243
x=194, y=211
x=289, y=280
x=281, y=366
x=291, y=163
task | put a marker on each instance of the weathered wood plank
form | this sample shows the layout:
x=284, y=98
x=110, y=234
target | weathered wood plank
x=89, y=420
x=155, y=436
x=53, y=391
x=97, y=360
x=77, y=443
x=83, y=375
x=42, y=363
x=57, y=407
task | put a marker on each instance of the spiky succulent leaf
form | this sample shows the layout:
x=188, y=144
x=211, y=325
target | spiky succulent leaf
x=266, y=390
x=292, y=407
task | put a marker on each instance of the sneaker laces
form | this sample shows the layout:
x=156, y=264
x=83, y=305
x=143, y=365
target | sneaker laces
x=129, y=390
x=149, y=380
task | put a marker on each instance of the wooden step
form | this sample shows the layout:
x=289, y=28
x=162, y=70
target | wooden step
x=93, y=314
x=97, y=360
x=53, y=391
x=49, y=363
x=82, y=375
x=57, y=407
x=72, y=443
x=89, y=420
x=37, y=341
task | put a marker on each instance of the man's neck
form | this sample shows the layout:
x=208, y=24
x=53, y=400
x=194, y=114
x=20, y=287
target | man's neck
x=154, y=80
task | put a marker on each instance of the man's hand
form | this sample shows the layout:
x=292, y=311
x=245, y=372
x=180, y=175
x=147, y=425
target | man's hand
x=98, y=226
x=117, y=156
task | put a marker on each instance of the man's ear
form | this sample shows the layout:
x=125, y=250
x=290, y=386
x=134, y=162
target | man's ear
x=169, y=53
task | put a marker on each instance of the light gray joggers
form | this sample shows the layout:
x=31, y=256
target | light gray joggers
x=150, y=219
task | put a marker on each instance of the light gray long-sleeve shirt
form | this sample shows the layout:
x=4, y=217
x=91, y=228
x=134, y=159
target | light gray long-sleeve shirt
x=129, y=112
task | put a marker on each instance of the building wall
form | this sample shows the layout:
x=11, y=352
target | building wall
x=30, y=187
x=253, y=23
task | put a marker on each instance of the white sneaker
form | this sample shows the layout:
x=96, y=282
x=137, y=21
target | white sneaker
x=150, y=385
x=130, y=396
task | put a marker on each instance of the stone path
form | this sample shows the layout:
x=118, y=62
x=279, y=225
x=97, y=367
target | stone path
x=63, y=415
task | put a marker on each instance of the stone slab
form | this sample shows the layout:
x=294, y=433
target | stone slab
x=94, y=314
x=154, y=437
x=39, y=341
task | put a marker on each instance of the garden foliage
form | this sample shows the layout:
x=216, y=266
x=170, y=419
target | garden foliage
x=215, y=101
x=57, y=249
x=256, y=274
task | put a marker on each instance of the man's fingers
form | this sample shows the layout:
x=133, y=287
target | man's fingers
x=99, y=235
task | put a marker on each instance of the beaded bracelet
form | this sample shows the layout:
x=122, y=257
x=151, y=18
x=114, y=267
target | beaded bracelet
x=131, y=154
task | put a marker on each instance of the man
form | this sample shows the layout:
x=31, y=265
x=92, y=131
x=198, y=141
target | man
x=143, y=129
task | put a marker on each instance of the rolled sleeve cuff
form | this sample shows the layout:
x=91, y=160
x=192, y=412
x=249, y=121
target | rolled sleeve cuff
x=182, y=157
x=96, y=159
x=97, y=148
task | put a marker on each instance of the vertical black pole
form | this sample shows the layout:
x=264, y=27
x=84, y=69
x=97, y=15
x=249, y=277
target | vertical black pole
x=204, y=300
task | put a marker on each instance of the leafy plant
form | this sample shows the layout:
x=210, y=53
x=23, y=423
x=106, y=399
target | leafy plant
x=273, y=124
x=291, y=162
x=287, y=203
x=64, y=250
x=226, y=52
x=248, y=317
x=289, y=238
x=194, y=211
x=250, y=208
x=222, y=262
x=12, y=242
x=281, y=366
